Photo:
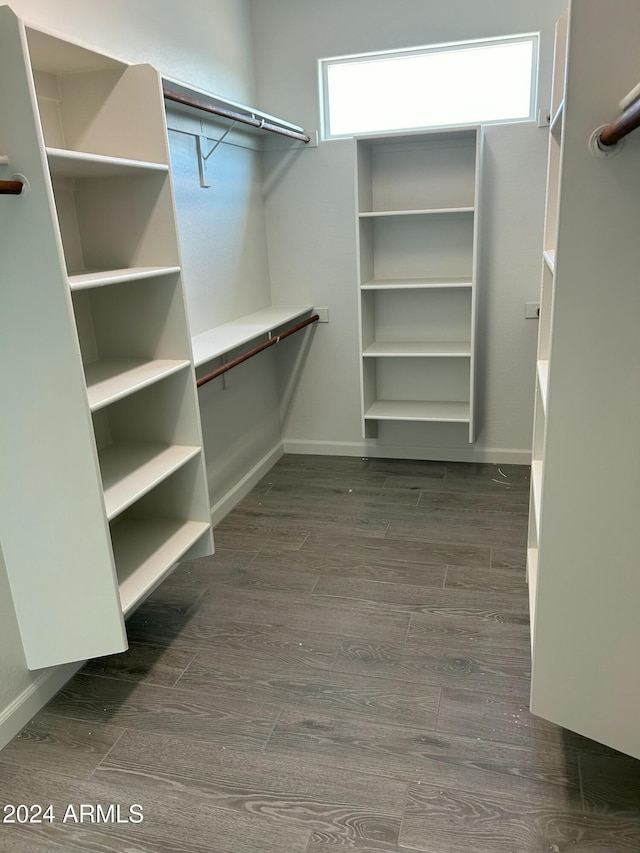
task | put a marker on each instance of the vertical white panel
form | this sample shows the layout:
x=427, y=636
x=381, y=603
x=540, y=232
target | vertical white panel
x=587, y=631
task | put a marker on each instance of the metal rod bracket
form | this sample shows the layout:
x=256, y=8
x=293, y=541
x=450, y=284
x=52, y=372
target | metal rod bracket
x=203, y=143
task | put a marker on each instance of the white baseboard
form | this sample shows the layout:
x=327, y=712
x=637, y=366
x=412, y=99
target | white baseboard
x=374, y=450
x=242, y=488
x=33, y=699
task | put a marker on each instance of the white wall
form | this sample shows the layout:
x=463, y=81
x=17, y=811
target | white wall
x=206, y=44
x=222, y=240
x=311, y=221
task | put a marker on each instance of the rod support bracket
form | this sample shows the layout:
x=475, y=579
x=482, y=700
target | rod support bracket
x=603, y=151
x=203, y=144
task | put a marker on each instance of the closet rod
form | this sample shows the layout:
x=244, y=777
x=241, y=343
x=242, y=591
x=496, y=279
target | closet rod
x=262, y=124
x=626, y=122
x=275, y=340
x=11, y=187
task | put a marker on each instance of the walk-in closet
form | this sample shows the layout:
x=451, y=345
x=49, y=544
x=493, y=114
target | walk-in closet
x=318, y=490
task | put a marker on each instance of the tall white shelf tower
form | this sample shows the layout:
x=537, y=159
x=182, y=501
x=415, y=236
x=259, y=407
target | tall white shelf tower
x=103, y=478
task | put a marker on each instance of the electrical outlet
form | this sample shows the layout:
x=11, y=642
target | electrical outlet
x=532, y=310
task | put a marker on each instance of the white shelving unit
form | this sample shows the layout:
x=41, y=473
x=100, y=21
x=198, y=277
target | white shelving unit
x=104, y=482
x=584, y=537
x=546, y=311
x=417, y=202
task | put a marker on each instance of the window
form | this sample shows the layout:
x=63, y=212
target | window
x=452, y=84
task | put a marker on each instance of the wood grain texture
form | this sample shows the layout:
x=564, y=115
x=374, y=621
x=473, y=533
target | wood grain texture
x=334, y=497
x=173, y=821
x=389, y=548
x=381, y=569
x=473, y=668
x=506, y=558
x=338, y=804
x=316, y=685
x=207, y=570
x=247, y=537
x=161, y=666
x=149, y=708
x=468, y=529
x=503, y=503
x=496, y=717
x=62, y=745
x=440, y=820
x=295, y=612
x=405, y=598
x=487, y=482
x=610, y=782
x=291, y=685
x=301, y=518
x=414, y=754
x=510, y=581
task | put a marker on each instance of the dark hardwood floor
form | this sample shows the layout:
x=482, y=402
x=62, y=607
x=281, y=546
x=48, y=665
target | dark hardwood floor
x=351, y=669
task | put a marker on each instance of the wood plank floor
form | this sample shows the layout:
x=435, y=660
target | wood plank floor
x=350, y=669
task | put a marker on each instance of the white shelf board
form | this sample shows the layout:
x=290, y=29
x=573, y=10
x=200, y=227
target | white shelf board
x=222, y=339
x=428, y=211
x=87, y=280
x=416, y=283
x=108, y=381
x=419, y=349
x=145, y=551
x=77, y=164
x=549, y=256
x=536, y=482
x=418, y=410
x=131, y=470
x=543, y=381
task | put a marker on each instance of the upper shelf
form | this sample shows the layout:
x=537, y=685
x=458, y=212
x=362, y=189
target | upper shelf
x=222, y=339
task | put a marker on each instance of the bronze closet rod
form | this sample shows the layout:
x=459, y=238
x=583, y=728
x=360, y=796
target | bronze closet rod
x=11, y=187
x=262, y=124
x=236, y=361
x=628, y=121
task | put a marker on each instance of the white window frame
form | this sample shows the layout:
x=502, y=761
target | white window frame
x=325, y=64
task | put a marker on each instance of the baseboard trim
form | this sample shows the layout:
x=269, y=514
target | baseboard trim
x=389, y=451
x=33, y=699
x=242, y=488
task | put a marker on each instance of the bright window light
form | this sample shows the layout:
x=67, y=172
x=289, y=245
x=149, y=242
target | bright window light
x=469, y=83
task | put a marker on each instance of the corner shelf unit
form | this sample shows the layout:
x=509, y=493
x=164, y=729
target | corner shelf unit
x=105, y=486
x=417, y=232
x=546, y=312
